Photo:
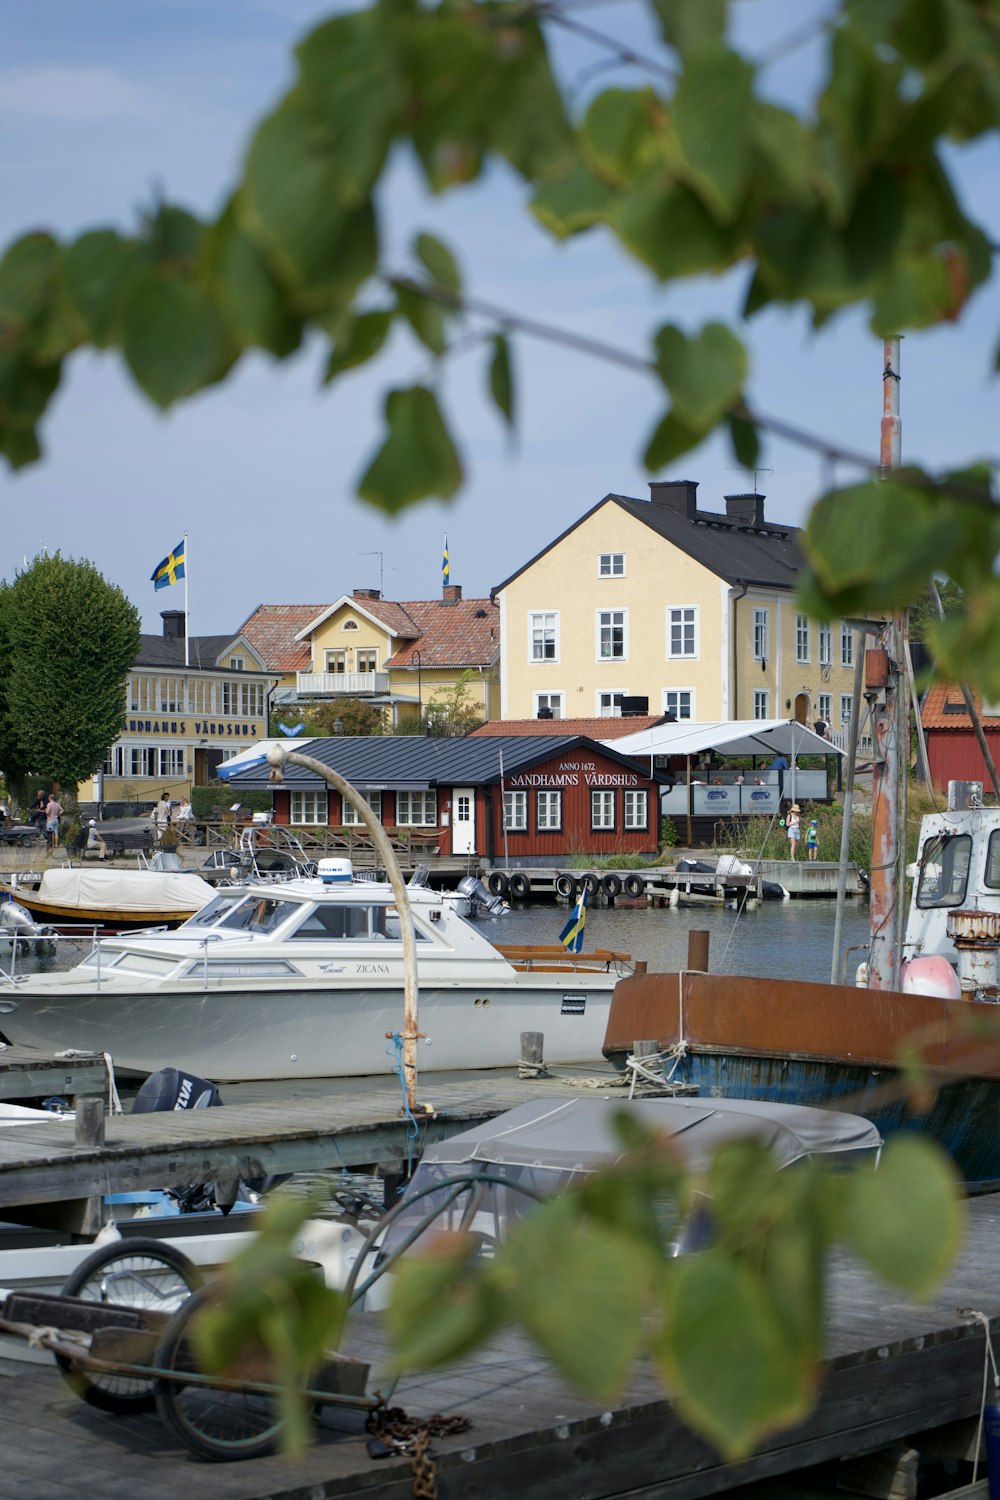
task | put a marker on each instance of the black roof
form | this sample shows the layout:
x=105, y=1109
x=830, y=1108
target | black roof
x=166, y=651
x=727, y=545
x=419, y=761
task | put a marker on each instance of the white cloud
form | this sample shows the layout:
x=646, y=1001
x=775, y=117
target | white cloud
x=61, y=93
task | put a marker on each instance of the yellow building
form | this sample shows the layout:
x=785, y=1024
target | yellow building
x=688, y=609
x=404, y=657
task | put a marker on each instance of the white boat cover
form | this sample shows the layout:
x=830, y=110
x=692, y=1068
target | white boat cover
x=579, y=1134
x=125, y=890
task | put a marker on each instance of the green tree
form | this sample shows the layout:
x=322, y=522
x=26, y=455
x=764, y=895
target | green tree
x=355, y=716
x=67, y=641
x=449, y=713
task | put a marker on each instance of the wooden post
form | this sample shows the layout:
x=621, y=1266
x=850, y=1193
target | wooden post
x=89, y=1132
x=532, y=1062
x=697, y=958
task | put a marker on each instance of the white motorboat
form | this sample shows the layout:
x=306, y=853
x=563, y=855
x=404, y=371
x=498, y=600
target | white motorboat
x=305, y=979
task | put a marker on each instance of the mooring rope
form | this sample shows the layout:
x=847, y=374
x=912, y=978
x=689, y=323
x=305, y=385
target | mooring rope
x=989, y=1359
x=395, y=1052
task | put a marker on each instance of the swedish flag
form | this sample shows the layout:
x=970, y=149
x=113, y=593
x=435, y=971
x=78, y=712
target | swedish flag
x=445, y=564
x=571, y=936
x=170, y=570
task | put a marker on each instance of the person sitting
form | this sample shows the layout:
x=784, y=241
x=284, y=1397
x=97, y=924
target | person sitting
x=36, y=813
x=96, y=840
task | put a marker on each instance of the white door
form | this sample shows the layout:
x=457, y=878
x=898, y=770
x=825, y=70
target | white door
x=463, y=820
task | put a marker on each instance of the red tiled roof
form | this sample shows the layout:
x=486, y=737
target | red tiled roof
x=462, y=633
x=944, y=708
x=271, y=631
x=594, y=729
x=393, y=615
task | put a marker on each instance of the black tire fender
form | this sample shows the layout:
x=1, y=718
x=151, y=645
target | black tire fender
x=520, y=886
x=497, y=883
x=635, y=886
x=565, y=886
x=590, y=883
x=611, y=885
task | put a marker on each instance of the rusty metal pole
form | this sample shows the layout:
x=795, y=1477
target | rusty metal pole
x=277, y=756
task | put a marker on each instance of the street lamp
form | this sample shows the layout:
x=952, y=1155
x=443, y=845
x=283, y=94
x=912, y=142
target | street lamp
x=420, y=699
x=338, y=726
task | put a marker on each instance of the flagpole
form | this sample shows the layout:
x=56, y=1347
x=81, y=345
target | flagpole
x=187, y=632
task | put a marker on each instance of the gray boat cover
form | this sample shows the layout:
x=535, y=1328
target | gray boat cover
x=126, y=891
x=579, y=1134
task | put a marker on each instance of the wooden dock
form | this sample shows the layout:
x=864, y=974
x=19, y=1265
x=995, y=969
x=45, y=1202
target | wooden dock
x=899, y=1379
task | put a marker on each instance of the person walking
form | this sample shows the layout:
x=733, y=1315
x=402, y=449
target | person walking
x=53, y=812
x=793, y=829
x=812, y=840
x=160, y=816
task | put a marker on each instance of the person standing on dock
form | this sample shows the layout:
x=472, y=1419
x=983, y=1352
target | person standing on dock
x=812, y=840
x=160, y=816
x=793, y=828
x=53, y=812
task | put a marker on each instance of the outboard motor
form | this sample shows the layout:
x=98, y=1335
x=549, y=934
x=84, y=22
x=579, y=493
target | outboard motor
x=479, y=898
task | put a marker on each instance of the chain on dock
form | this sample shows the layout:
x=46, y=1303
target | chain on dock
x=412, y=1435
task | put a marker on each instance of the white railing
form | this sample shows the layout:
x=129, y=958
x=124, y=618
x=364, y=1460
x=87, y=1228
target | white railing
x=348, y=683
x=840, y=738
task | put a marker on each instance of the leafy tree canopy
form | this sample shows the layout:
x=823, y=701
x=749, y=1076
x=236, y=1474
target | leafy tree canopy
x=67, y=641
x=353, y=715
x=847, y=202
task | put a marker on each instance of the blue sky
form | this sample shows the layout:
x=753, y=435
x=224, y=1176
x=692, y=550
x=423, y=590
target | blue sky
x=104, y=104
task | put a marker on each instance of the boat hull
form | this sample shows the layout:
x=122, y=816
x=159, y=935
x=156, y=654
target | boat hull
x=798, y=1043
x=316, y=1031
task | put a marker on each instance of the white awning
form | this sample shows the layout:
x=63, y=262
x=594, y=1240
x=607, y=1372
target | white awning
x=256, y=755
x=735, y=736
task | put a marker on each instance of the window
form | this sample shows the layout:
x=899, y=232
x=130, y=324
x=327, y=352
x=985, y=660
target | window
x=760, y=645
x=349, y=814
x=515, y=812
x=147, y=760
x=826, y=707
x=602, y=811
x=679, y=702
x=944, y=870
x=825, y=645
x=636, y=810
x=143, y=695
x=682, y=631
x=761, y=704
x=172, y=761
x=367, y=661
x=336, y=661
x=801, y=637
x=201, y=698
x=349, y=625
x=416, y=809
x=237, y=663
x=251, y=699
x=611, y=639
x=171, y=695
x=336, y=922
x=846, y=645
x=992, y=876
x=548, y=812
x=543, y=636
x=611, y=565
x=846, y=708
x=552, y=701
x=609, y=705
x=308, y=807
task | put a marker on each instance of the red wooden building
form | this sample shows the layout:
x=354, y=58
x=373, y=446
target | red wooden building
x=952, y=748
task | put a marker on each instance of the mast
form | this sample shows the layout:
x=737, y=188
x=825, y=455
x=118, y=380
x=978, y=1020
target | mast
x=882, y=685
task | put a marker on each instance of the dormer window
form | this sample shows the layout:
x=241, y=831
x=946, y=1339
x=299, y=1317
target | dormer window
x=349, y=625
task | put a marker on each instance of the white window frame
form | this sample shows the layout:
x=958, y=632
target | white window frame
x=846, y=644
x=548, y=811
x=846, y=709
x=636, y=811
x=543, y=631
x=826, y=645
x=349, y=815
x=560, y=704
x=677, y=694
x=761, y=634
x=515, y=812
x=761, y=703
x=611, y=709
x=802, y=638
x=362, y=654
x=335, y=660
x=350, y=625
x=602, y=810
x=307, y=809
x=416, y=809
x=611, y=620
x=237, y=663
x=606, y=565
x=685, y=617
x=825, y=701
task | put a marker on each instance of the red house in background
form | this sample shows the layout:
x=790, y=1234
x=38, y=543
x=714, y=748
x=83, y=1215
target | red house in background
x=952, y=748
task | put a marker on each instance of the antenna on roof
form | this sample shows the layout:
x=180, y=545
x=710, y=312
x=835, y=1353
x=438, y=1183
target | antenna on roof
x=745, y=469
x=379, y=555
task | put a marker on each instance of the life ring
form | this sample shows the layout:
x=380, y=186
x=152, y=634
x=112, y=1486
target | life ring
x=520, y=886
x=590, y=883
x=611, y=885
x=565, y=887
x=635, y=886
x=496, y=883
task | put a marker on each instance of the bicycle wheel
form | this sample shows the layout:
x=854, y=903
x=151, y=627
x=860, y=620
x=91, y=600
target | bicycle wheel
x=147, y=1274
x=215, y=1423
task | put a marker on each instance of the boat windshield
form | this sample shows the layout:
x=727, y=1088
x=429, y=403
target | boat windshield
x=216, y=908
x=258, y=914
x=944, y=870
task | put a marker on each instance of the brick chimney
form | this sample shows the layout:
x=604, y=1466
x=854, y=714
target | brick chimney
x=367, y=594
x=451, y=593
x=680, y=495
x=173, y=624
x=748, y=510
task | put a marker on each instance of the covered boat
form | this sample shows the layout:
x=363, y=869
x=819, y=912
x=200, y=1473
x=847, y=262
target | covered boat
x=120, y=899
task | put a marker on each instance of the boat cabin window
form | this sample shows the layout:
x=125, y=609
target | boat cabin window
x=216, y=908
x=944, y=870
x=992, y=877
x=259, y=914
x=340, y=922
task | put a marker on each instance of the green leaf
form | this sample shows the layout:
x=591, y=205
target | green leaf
x=174, y=337
x=97, y=270
x=27, y=276
x=619, y=135
x=782, y=141
x=915, y=1185
x=417, y=460
x=438, y=261
x=575, y=202
x=579, y=1292
x=351, y=78
x=712, y=104
x=732, y=1372
x=667, y=226
x=294, y=200
x=671, y=438
x=704, y=374
x=424, y=315
x=502, y=378
x=358, y=339
x=250, y=294
x=172, y=234
x=689, y=24
x=442, y=1305
x=746, y=442
x=529, y=125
